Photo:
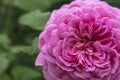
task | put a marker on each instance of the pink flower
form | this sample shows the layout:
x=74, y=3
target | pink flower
x=81, y=41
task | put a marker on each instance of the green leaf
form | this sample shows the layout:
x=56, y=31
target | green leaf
x=35, y=46
x=31, y=5
x=35, y=19
x=115, y=3
x=4, y=77
x=4, y=62
x=26, y=49
x=18, y=49
x=24, y=73
x=4, y=40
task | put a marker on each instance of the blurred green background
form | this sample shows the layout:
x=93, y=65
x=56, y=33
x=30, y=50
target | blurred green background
x=21, y=22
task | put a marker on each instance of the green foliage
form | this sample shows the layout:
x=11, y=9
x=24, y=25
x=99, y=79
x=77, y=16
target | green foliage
x=18, y=49
x=31, y=5
x=35, y=19
x=4, y=41
x=24, y=73
x=115, y=3
x=4, y=77
x=21, y=22
x=35, y=46
x=3, y=63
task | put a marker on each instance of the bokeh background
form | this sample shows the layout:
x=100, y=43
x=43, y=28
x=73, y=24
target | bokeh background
x=21, y=22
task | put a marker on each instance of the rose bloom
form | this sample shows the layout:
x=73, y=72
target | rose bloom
x=81, y=41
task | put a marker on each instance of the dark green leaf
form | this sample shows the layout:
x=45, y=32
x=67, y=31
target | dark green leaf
x=115, y=3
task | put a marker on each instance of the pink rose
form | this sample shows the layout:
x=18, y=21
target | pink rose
x=81, y=41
